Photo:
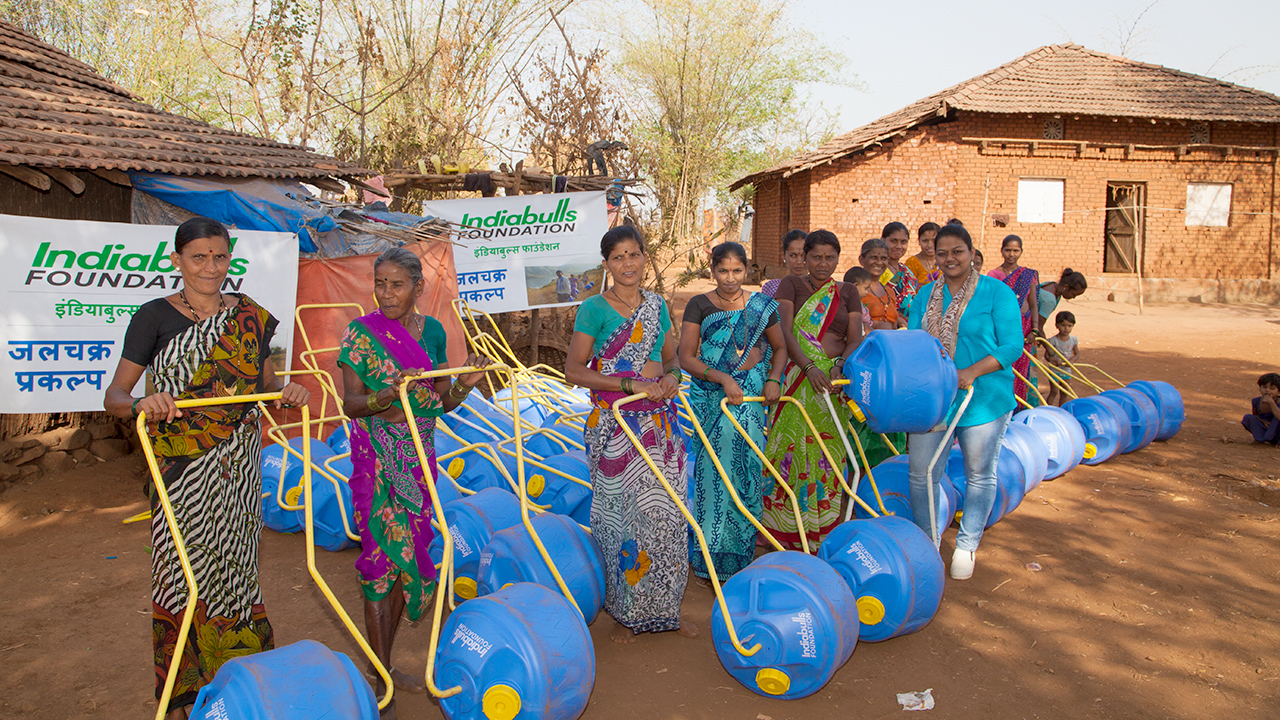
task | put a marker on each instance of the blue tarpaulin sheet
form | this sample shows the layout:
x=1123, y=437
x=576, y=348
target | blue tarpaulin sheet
x=247, y=204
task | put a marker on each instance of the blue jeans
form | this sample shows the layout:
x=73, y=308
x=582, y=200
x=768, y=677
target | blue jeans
x=980, y=445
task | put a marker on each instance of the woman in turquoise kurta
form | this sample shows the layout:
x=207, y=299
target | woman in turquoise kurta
x=977, y=320
x=732, y=346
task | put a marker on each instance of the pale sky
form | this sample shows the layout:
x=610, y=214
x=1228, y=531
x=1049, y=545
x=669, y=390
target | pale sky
x=903, y=51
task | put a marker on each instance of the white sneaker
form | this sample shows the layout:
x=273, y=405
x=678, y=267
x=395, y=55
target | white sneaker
x=962, y=562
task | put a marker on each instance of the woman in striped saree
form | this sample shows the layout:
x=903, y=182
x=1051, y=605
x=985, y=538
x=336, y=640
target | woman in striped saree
x=202, y=343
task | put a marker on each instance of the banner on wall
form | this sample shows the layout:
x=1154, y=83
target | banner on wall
x=71, y=288
x=526, y=251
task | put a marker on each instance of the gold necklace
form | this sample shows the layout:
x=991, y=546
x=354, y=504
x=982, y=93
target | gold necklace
x=222, y=304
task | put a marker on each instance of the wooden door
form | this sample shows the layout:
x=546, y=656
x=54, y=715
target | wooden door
x=1125, y=231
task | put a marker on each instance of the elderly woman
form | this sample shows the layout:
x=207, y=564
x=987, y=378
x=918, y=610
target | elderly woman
x=731, y=344
x=898, y=276
x=821, y=326
x=622, y=345
x=976, y=319
x=388, y=483
x=792, y=257
x=202, y=343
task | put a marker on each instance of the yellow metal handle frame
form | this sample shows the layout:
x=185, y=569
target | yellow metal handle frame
x=827, y=453
x=1075, y=367
x=773, y=471
x=724, y=476
x=188, y=616
x=697, y=531
x=1050, y=376
x=445, y=536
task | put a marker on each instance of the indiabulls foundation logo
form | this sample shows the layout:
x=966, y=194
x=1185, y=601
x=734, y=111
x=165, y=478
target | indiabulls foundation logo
x=113, y=267
x=506, y=223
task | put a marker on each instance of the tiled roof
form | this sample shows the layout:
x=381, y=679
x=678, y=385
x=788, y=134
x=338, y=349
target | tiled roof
x=56, y=111
x=1059, y=79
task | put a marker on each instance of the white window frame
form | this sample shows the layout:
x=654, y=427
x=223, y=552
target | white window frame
x=1041, y=200
x=1208, y=204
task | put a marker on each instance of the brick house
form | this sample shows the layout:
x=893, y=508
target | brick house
x=1119, y=169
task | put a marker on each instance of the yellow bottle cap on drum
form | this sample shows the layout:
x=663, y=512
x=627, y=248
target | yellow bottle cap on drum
x=456, y=466
x=1090, y=450
x=870, y=610
x=465, y=588
x=772, y=681
x=293, y=495
x=536, y=485
x=501, y=702
x=857, y=412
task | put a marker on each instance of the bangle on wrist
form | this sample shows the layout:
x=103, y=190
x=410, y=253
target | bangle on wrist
x=374, y=405
x=771, y=380
x=454, y=391
x=706, y=370
x=675, y=374
x=134, y=407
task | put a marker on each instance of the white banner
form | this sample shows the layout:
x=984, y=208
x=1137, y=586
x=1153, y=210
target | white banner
x=527, y=251
x=71, y=288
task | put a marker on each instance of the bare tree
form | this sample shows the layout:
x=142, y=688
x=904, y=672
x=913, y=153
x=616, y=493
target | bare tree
x=1129, y=35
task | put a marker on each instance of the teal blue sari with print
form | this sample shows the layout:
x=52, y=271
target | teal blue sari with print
x=727, y=340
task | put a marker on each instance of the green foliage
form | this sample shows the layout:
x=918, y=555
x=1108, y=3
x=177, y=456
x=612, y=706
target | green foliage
x=717, y=95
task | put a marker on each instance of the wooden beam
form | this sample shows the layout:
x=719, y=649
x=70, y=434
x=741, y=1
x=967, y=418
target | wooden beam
x=329, y=184
x=66, y=180
x=365, y=186
x=28, y=175
x=115, y=177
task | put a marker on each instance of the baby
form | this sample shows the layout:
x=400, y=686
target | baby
x=1262, y=421
x=862, y=280
x=1067, y=345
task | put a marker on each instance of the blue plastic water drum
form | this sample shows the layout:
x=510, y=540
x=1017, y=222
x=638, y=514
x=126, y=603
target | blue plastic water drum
x=272, y=461
x=1011, y=483
x=512, y=557
x=1169, y=400
x=893, y=568
x=445, y=489
x=1061, y=434
x=1143, y=415
x=1030, y=449
x=1105, y=424
x=339, y=440
x=565, y=496
x=555, y=420
x=302, y=681
x=465, y=425
x=530, y=409
x=893, y=479
x=902, y=380
x=471, y=469
x=290, y=475
x=803, y=615
x=329, y=532
x=472, y=522
x=520, y=652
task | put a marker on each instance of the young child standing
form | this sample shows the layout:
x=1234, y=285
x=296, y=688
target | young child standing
x=1064, y=342
x=1262, y=421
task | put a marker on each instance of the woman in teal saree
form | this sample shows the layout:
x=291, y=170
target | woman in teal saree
x=732, y=346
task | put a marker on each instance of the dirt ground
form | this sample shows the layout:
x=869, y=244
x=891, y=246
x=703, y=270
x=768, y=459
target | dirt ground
x=1156, y=596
